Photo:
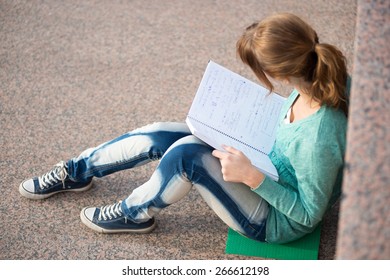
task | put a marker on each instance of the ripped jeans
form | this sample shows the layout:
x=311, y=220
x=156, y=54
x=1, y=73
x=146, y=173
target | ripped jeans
x=185, y=161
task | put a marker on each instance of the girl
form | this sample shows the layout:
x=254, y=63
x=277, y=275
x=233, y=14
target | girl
x=308, y=152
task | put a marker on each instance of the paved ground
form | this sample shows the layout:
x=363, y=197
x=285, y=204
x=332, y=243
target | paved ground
x=76, y=73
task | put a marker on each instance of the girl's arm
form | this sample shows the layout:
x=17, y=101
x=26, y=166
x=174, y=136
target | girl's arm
x=316, y=171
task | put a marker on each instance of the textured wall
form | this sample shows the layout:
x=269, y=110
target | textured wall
x=364, y=231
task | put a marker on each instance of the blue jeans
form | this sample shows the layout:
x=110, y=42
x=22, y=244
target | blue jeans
x=185, y=161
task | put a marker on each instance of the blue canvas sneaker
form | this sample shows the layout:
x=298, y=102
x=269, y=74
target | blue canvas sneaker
x=55, y=181
x=110, y=219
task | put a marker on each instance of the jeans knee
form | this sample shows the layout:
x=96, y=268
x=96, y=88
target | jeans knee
x=186, y=155
x=189, y=147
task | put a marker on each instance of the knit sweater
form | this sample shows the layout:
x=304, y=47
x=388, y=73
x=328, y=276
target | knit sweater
x=308, y=155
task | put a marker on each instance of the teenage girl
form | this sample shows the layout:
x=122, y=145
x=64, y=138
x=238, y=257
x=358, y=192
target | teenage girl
x=308, y=152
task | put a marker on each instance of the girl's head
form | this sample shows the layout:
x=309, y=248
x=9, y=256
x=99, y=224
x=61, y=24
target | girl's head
x=283, y=46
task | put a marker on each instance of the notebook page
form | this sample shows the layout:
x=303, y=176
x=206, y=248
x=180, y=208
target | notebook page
x=231, y=110
x=237, y=107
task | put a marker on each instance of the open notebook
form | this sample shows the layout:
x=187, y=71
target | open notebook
x=229, y=109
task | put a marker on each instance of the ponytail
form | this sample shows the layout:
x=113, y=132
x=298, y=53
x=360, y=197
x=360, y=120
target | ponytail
x=329, y=83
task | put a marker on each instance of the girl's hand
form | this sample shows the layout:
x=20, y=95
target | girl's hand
x=236, y=167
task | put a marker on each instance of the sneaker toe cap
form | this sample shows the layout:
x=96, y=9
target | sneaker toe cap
x=28, y=186
x=89, y=213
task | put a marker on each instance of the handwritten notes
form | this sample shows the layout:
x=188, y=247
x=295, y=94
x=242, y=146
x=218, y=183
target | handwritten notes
x=232, y=110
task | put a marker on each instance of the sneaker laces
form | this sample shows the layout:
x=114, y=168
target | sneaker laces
x=110, y=211
x=58, y=173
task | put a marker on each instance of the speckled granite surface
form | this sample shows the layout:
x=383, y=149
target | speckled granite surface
x=76, y=73
x=364, y=230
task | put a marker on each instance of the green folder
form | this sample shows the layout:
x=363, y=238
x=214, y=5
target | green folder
x=305, y=248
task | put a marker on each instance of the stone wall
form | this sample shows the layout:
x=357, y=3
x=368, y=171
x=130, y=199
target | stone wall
x=364, y=231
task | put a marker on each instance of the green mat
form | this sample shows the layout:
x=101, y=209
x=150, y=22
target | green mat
x=305, y=248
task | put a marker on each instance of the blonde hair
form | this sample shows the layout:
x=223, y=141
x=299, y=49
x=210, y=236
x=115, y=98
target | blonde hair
x=284, y=46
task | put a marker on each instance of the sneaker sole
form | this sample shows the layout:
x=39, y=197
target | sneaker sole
x=35, y=196
x=95, y=227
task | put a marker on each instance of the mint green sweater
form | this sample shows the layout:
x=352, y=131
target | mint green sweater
x=308, y=155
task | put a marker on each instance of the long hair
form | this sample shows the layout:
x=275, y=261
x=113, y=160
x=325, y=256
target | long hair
x=283, y=46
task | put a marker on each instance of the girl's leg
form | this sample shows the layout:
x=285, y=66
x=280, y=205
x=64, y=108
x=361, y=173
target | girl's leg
x=187, y=163
x=132, y=149
x=129, y=150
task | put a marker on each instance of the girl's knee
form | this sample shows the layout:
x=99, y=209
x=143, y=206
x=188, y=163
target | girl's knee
x=190, y=146
x=188, y=156
x=188, y=153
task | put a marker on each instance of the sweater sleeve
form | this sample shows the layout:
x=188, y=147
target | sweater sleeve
x=316, y=168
